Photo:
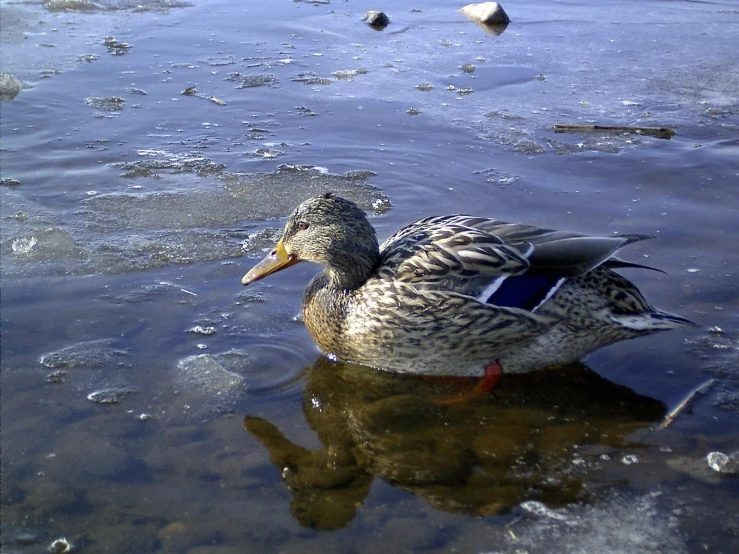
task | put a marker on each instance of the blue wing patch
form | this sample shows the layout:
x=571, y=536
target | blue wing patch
x=527, y=292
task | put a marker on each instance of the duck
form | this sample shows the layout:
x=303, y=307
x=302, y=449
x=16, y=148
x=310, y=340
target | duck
x=459, y=295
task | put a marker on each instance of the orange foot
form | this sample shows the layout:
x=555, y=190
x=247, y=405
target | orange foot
x=482, y=388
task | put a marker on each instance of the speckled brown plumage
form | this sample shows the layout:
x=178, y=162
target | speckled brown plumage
x=449, y=295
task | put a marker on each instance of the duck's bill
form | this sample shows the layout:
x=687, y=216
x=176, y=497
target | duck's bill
x=276, y=260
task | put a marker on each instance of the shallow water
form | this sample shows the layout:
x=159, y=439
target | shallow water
x=150, y=403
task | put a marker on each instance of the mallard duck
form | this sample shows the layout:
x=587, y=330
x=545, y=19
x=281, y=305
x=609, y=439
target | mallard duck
x=459, y=295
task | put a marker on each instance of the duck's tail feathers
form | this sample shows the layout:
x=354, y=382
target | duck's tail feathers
x=671, y=321
x=617, y=263
x=653, y=321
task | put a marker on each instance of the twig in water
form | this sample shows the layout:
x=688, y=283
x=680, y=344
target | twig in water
x=698, y=391
x=657, y=132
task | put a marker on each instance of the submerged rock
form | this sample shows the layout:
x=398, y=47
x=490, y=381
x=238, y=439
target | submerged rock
x=376, y=18
x=488, y=13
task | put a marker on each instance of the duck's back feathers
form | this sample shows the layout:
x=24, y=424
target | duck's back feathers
x=506, y=264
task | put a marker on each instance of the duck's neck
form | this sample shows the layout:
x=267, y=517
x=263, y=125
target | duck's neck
x=329, y=295
x=350, y=271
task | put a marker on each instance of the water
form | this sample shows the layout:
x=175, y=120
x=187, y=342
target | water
x=150, y=403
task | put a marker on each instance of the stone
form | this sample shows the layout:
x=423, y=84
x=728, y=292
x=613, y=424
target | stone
x=10, y=86
x=376, y=18
x=488, y=13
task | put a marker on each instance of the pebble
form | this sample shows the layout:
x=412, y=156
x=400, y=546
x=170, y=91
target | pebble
x=376, y=18
x=489, y=13
x=10, y=86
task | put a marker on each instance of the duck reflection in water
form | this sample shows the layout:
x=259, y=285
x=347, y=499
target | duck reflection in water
x=478, y=458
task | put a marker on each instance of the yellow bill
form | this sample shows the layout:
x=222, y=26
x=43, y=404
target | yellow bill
x=276, y=260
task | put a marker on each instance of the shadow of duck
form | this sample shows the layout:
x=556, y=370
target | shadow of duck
x=528, y=440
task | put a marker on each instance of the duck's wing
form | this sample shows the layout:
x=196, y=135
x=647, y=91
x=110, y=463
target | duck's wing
x=445, y=254
x=505, y=264
x=563, y=253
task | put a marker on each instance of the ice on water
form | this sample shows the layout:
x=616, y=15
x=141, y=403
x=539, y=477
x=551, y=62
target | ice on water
x=198, y=212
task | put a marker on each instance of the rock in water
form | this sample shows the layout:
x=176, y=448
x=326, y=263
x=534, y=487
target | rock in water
x=10, y=86
x=376, y=18
x=489, y=13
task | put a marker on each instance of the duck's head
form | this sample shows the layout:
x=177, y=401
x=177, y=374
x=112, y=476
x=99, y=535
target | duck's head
x=326, y=230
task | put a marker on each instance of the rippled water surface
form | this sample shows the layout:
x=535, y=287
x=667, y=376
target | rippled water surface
x=150, y=403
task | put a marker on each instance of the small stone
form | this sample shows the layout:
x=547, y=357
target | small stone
x=488, y=13
x=376, y=18
x=10, y=86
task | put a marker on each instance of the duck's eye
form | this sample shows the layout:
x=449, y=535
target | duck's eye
x=302, y=225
